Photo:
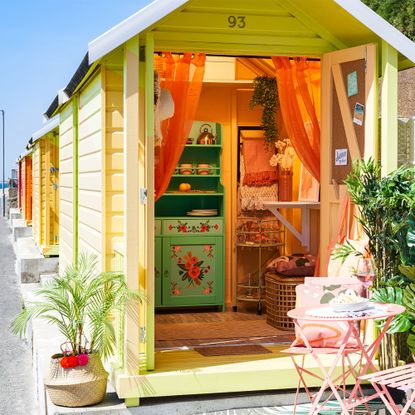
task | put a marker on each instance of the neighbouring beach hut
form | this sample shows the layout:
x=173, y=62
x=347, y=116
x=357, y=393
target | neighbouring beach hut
x=25, y=186
x=19, y=183
x=44, y=145
x=109, y=148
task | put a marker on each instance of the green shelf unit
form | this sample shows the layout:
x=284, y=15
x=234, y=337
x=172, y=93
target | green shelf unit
x=177, y=235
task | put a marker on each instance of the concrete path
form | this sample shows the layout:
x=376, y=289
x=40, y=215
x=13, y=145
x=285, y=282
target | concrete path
x=17, y=391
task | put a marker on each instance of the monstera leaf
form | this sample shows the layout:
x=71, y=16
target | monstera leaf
x=409, y=303
x=408, y=271
x=409, y=300
x=393, y=295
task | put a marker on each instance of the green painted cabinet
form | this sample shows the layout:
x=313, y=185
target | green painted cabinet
x=189, y=244
x=158, y=266
x=192, y=271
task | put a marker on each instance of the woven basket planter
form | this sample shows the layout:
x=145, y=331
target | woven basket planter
x=78, y=386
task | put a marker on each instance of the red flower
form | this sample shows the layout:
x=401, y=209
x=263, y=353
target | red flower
x=216, y=226
x=193, y=260
x=204, y=228
x=188, y=265
x=182, y=228
x=83, y=359
x=179, y=261
x=194, y=272
x=69, y=361
x=170, y=227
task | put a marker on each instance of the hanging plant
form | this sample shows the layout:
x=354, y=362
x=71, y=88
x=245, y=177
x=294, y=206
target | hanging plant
x=266, y=95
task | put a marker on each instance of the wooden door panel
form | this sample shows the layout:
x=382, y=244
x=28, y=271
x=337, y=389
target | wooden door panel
x=341, y=129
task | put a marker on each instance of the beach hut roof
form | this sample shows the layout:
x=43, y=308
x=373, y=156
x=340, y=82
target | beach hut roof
x=341, y=23
x=350, y=28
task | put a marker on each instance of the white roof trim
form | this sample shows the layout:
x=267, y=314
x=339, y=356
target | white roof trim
x=130, y=27
x=379, y=26
x=47, y=128
x=158, y=9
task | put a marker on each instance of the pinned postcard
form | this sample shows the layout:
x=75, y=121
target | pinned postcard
x=340, y=157
x=352, y=88
x=359, y=114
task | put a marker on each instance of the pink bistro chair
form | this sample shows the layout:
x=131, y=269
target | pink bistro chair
x=402, y=378
x=298, y=352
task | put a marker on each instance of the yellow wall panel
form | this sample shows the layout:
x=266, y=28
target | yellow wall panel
x=90, y=163
x=90, y=229
x=115, y=222
x=89, y=200
x=66, y=223
x=115, y=161
x=114, y=183
x=116, y=139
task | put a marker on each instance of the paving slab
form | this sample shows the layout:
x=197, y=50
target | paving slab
x=17, y=390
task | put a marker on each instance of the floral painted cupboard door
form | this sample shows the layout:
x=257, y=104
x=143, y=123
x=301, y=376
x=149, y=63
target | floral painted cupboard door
x=192, y=271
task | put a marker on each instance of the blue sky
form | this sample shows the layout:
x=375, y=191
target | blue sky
x=42, y=42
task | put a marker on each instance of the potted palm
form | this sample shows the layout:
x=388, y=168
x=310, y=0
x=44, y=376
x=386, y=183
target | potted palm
x=81, y=304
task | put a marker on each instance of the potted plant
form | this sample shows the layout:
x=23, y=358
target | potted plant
x=266, y=95
x=386, y=210
x=80, y=304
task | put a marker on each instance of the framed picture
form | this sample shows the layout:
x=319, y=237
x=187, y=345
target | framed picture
x=309, y=189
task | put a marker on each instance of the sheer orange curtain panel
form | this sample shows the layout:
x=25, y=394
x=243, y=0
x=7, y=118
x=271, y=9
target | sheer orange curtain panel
x=299, y=95
x=182, y=77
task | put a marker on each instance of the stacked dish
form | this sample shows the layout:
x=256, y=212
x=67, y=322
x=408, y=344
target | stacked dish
x=203, y=212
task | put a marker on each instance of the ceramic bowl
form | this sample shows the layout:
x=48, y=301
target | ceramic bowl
x=186, y=168
x=203, y=168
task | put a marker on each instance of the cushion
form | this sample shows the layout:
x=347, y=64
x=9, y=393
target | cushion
x=316, y=291
x=295, y=265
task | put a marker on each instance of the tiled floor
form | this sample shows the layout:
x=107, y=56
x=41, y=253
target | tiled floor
x=199, y=328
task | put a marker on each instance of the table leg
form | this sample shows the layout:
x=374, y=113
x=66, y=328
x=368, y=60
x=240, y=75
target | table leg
x=327, y=375
x=368, y=353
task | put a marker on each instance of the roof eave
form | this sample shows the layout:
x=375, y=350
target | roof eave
x=379, y=26
x=130, y=27
x=51, y=125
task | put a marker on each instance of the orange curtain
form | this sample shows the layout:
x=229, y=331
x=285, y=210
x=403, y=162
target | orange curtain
x=299, y=95
x=182, y=76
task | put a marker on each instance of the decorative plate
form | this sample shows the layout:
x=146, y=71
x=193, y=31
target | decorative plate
x=361, y=305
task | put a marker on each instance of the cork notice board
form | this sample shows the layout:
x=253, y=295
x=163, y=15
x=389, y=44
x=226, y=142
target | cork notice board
x=338, y=134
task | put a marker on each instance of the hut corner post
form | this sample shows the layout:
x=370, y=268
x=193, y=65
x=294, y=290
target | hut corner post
x=147, y=182
x=389, y=109
x=131, y=259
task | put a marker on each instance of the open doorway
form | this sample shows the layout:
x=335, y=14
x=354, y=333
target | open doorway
x=215, y=239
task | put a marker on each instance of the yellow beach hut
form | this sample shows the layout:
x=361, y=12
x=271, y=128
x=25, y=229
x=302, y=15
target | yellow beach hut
x=25, y=163
x=107, y=157
x=44, y=145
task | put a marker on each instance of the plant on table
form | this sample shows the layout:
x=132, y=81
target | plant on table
x=80, y=304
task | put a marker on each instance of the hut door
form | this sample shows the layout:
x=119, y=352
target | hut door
x=348, y=128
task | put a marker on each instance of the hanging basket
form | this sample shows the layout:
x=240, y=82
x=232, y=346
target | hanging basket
x=285, y=186
x=78, y=386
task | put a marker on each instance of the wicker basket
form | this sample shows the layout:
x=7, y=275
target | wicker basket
x=78, y=386
x=279, y=299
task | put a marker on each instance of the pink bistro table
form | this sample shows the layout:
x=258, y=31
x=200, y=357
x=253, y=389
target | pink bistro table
x=356, y=323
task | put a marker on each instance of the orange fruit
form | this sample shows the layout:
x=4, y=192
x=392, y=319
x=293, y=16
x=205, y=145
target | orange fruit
x=184, y=187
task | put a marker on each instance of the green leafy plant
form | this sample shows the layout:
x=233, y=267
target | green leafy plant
x=386, y=211
x=80, y=303
x=385, y=206
x=266, y=95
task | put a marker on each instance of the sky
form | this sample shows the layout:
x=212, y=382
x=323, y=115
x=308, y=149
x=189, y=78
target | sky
x=42, y=42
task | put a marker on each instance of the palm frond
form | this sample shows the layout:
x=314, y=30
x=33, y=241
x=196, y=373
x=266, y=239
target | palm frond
x=80, y=303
